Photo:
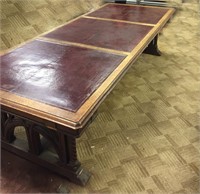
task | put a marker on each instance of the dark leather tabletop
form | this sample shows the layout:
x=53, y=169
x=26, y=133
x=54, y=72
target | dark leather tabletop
x=59, y=75
x=149, y=15
x=106, y=34
x=65, y=75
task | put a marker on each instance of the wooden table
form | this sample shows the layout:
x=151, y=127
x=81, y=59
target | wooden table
x=53, y=85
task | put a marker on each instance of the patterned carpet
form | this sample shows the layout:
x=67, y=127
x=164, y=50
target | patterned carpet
x=24, y=19
x=145, y=138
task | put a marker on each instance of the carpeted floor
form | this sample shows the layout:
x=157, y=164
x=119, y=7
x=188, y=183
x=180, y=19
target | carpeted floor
x=145, y=138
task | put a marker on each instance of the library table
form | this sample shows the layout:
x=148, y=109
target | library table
x=52, y=85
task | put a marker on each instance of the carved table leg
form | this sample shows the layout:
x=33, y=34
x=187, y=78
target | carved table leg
x=34, y=142
x=152, y=48
x=68, y=158
x=4, y=117
x=8, y=124
x=64, y=163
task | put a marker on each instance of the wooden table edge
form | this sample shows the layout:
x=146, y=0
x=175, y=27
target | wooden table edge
x=79, y=119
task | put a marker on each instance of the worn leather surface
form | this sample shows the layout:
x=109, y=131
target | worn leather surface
x=61, y=75
x=65, y=76
x=106, y=34
x=142, y=14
